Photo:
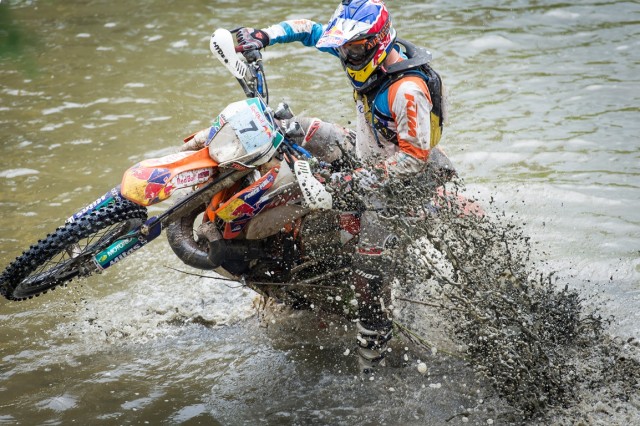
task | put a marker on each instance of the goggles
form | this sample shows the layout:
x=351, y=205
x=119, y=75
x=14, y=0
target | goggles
x=356, y=52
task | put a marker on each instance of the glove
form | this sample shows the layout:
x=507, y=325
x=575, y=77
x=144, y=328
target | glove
x=251, y=39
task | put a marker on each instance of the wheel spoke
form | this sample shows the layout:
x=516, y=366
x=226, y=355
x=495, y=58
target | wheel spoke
x=66, y=253
x=71, y=256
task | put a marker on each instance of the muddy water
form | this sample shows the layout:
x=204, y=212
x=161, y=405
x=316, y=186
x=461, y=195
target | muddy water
x=543, y=120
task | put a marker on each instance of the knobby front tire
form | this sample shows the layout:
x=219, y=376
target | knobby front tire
x=68, y=252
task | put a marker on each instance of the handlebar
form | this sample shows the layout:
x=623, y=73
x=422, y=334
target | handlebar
x=249, y=73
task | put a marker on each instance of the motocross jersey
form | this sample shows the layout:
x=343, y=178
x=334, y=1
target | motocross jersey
x=400, y=112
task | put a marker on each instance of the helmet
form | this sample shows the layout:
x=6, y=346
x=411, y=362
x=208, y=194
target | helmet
x=360, y=32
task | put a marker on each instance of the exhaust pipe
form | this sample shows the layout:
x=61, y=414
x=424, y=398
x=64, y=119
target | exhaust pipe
x=182, y=240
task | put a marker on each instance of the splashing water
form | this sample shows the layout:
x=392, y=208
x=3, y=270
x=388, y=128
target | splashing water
x=542, y=347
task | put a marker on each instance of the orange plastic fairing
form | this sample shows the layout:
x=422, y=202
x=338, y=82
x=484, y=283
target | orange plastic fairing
x=152, y=181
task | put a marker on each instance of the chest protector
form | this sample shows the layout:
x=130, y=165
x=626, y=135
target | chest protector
x=417, y=64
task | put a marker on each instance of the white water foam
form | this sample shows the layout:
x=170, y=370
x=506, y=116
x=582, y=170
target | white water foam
x=491, y=42
x=13, y=173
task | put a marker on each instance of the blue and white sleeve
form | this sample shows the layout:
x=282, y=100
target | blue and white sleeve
x=303, y=30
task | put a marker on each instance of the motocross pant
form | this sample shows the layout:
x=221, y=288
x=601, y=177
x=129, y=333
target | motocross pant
x=373, y=262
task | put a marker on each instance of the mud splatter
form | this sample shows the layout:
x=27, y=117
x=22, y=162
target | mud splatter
x=542, y=346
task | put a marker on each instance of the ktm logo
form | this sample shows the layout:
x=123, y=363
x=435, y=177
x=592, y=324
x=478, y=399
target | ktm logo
x=412, y=115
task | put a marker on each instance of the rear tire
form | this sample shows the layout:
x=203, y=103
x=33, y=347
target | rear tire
x=68, y=252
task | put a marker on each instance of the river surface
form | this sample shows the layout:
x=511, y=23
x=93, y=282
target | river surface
x=544, y=120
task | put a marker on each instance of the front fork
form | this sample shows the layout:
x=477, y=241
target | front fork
x=125, y=245
x=151, y=229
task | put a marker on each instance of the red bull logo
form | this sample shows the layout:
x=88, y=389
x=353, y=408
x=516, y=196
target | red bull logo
x=243, y=209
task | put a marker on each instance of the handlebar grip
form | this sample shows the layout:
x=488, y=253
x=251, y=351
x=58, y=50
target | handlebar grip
x=251, y=55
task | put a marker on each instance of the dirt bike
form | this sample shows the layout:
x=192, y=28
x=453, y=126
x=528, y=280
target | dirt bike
x=228, y=191
x=255, y=213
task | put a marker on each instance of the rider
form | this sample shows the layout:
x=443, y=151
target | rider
x=399, y=110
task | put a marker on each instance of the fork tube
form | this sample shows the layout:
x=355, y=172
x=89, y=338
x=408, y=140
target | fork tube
x=127, y=244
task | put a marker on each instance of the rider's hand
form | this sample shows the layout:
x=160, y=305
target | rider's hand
x=251, y=39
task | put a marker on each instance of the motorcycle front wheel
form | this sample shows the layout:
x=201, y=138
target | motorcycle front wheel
x=68, y=252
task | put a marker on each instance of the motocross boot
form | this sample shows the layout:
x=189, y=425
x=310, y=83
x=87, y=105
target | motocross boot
x=374, y=269
x=374, y=327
